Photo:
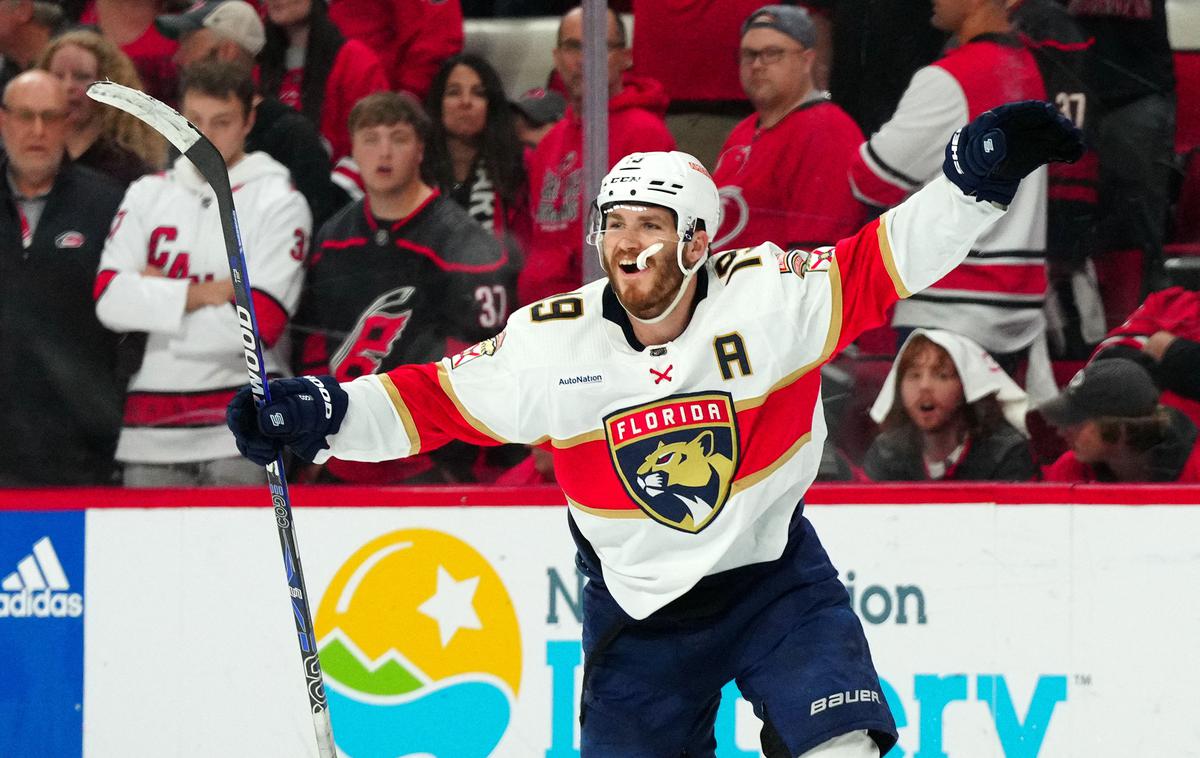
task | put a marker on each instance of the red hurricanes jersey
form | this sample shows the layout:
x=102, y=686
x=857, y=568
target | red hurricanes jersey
x=685, y=459
x=789, y=184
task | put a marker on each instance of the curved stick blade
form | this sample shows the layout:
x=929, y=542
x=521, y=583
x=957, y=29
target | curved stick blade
x=162, y=118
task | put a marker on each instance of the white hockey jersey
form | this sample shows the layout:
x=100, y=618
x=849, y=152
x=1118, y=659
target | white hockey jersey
x=685, y=459
x=194, y=362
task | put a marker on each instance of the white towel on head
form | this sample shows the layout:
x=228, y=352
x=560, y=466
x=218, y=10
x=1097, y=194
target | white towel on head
x=980, y=374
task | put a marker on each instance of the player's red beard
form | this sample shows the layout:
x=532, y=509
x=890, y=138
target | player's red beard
x=634, y=296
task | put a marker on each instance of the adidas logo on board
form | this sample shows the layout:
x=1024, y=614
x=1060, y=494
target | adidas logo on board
x=37, y=589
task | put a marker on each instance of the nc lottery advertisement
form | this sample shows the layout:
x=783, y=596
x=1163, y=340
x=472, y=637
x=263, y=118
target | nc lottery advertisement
x=998, y=630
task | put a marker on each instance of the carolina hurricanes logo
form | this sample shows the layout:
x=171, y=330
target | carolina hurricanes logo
x=69, y=240
x=373, y=337
x=735, y=214
x=676, y=457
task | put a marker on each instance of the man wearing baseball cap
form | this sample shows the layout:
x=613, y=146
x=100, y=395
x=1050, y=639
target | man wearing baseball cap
x=537, y=111
x=1110, y=416
x=208, y=24
x=231, y=30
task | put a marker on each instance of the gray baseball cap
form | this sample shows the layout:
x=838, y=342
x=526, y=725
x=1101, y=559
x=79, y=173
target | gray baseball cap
x=1107, y=388
x=786, y=19
x=541, y=106
x=234, y=20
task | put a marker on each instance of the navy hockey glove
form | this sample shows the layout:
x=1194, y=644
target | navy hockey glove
x=302, y=412
x=990, y=156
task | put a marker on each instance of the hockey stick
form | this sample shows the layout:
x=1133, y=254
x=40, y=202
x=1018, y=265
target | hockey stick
x=208, y=161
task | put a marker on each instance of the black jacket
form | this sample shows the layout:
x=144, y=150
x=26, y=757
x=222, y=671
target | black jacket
x=294, y=141
x=60, y=392
x=1004, y=455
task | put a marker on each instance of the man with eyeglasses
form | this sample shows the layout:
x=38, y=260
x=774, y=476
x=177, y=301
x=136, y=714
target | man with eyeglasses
x=60, y=397
x=782, y=171
x=636, y=106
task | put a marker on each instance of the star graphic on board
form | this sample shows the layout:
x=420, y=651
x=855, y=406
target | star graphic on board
x=452, y=605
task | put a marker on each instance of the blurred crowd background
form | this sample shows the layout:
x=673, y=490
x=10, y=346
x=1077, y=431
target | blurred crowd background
x=409, y=172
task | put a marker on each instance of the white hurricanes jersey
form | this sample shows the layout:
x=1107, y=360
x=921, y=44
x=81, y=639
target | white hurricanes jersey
x=686, y=459
x=174, y=410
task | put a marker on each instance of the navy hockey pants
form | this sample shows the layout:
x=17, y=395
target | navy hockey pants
x=784, y=631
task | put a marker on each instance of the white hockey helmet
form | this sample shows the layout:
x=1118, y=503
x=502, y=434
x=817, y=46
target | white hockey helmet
x=673, y=180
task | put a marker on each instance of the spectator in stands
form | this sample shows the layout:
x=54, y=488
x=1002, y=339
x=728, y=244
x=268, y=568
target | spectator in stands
x=1118, y=431
x=948, y=412
x=1163, y=335
x=231, y=30
x=26, y=27
x=311, y=67
x=783, y=172
x=60, y=391
x=877, y=47
x=105, y=139
x=995, y=297
x=1074, y=309
x=635, y=124
x=398, y=275
x=130, y=25
x=411, y=38
x=536, y=112
x=473, y=155
x=164, y=271
x=1134, y=76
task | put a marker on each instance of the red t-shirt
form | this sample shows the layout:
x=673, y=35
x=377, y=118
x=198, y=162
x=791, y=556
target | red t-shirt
x=700, y=60
x=152, y=55
x=410, y=37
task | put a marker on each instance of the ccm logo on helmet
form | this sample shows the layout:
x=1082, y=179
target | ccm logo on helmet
x=842, y=698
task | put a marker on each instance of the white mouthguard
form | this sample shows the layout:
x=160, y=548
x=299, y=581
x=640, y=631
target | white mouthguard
x=644, y=256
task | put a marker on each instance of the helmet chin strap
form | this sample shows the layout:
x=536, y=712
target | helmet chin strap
x=687, y=275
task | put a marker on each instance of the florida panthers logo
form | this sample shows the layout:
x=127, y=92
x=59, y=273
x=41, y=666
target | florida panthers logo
x=677, y=457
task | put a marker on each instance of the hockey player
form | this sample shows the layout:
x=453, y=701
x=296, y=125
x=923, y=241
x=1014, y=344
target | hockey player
x=681, y=400
x=164, y=271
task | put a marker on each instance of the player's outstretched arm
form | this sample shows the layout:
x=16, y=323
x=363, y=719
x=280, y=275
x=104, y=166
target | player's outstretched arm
x=931, y=232
x=922, y=239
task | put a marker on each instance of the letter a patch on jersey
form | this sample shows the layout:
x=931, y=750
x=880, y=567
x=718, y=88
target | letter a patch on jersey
x=676, y=457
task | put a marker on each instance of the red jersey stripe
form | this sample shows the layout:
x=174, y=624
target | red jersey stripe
x=176, y=410
x=103, y=279
x=436, y=412
x=982, y=276
x=272, y=317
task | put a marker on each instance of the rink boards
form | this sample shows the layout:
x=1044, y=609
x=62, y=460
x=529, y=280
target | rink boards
x=1021, y=621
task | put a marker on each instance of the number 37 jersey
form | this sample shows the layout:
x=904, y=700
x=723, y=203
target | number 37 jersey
x=687, y=459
